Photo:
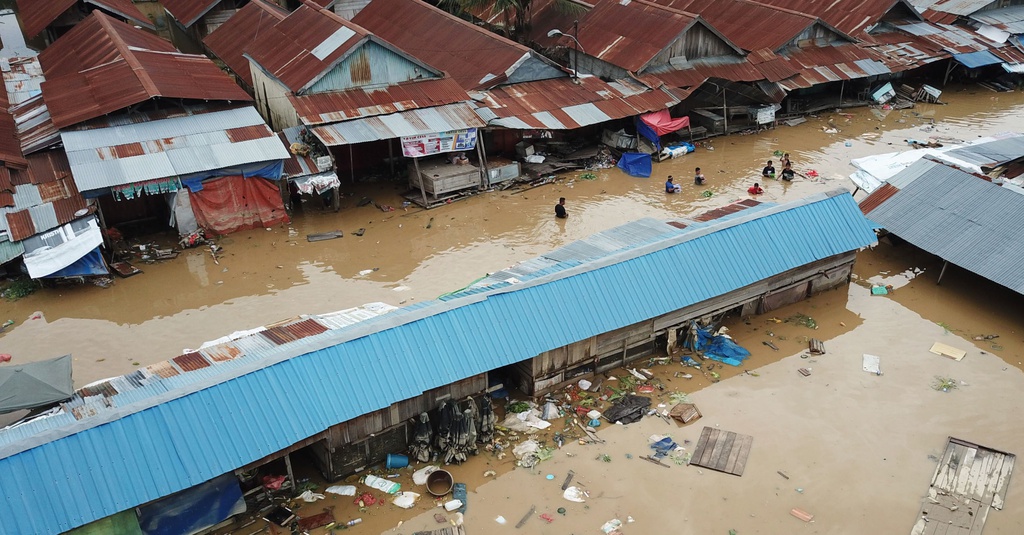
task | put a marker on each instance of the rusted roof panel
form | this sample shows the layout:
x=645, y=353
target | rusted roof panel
x=121, y=66
x=818, y=65
x=163, y=369
x=36, y=15
x=877, y=197
x=938, y=16
x=248, y=133
x=294, y=331
x=471, y=55
x=849, y=16
x=6, y=199
x=405, y=123
x=10, y=147
x=728, y=209
x=751, y=25
x=699, y=71
x=303, y=46
x=296, y=165
x=190, y=362
x=187, y=12
x=66, y=209
x=19, y=225
x=334, y=106
x=222, y=352
x=35, y=129
x=229, y=41
x=560, y=104
x=631, y=34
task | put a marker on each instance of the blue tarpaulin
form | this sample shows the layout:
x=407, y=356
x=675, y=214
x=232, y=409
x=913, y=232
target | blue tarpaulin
x=720, y=348
x=90, y=264
x=645, y=130
x=636, y=164
x=981, y=58
x=194, y=509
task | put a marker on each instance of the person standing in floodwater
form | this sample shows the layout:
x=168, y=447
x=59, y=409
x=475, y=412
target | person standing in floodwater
x=785, y=160
x=560, y=211
x=670, y=186
x=698, y=178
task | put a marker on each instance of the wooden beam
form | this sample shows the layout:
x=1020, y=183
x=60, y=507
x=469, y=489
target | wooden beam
x=419, y=178
x=945, y=264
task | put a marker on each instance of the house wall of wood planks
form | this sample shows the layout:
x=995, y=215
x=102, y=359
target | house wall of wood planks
x=584, y=359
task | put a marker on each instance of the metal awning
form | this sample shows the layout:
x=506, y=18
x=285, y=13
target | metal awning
x=981, y=58
x=406, y=123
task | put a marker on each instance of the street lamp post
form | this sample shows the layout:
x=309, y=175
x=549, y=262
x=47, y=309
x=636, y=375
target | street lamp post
x=576, y=46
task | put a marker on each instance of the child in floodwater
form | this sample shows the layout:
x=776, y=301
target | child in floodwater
x=788, y=173
x=785, y=160
x=698, y=178
x=755, y=189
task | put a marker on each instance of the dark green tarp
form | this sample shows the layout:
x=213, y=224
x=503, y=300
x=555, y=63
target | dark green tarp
x=26, y=386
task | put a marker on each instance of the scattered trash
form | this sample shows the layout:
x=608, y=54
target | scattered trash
x=501, y=520
x=323, y=236
x=561, y=511
x=944, y=384
x=383, y=485
x=802, y=515
x=419, y=477
x=406, y=500
x=872, y=364
x=574, y=494
x=568, y=479
x=310, y=496
x=490, y=473
x=771, y=345
x=526, y=517
x=584, y=384
x=342, y=490
x=803, y=319
x=550, y=477
x=948, y=351
x=547, y=518
x=604, y=457
x=359, y=232
x=804, y=371
x=654, y=460
x=685, y=413
x=815, y=346
x=5, y=357
x=678, y=397
x=611, y=526
x=452, y=505
x=879, y=290
x=781, y=473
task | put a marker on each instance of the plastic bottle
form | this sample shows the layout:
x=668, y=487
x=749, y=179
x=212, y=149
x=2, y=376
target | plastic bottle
x=353, y=522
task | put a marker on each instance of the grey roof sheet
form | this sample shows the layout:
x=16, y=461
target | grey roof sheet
x=960, y=218
x=992, y=154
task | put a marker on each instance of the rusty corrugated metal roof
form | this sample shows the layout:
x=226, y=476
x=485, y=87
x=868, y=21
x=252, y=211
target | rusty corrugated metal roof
x=404, y=123
x=187, y=12
x=6, y=199
x=849, y=16
x=36, y=15
x=877, y=197
x=699, y=71
x=35, y=129
x=10, y=147
x=728, y=209
x=334, y=106
x=229, y=41
x=630, y=34
x=20, y=225
x=832, y=63
x=48, y=166
x=121, y=66
x=296, y=165
x=291, y=332
x=163, y=369
x=301, y=48
x=560, y=104
x=190, y=362
x=751, y=25
x=473, y=56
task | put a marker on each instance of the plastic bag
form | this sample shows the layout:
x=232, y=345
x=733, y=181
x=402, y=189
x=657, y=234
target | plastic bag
x=406, y=500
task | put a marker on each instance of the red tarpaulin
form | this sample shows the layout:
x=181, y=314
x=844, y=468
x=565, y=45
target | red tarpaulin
x=232, y=203
x=662, y=122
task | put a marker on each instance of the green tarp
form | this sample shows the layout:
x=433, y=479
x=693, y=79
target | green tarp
x=123, y=523
x=26, y=386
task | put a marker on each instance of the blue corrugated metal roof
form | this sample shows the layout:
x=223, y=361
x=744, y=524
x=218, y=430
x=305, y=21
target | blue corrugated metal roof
x=981, y=58
x=247, y=408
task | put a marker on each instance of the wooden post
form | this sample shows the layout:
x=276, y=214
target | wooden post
x=949, y=69
x=725, y=111
x=288, y=466
x=351, y=164
x=486, y=182
x=391, y=158
x=842, y=88
x=419, y=178
x=945, y=264
x=336, y=199
x=107, y=242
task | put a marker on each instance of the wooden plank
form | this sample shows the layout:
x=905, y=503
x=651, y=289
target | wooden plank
x=1004, y=481
x=943, y=466
x=741, y=461
x=963, y=474
x=734, y=455
x=945, y=480
x=980, y=516
x=720, y=446
x=718, y=463
x=976, y=479
x=993, y=481
x=709, y=450
x=702, y=443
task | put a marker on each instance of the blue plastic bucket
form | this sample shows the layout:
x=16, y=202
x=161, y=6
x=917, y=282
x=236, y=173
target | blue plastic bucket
x=395, y=460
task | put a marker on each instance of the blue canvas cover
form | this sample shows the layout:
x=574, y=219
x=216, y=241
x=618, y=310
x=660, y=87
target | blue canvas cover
x=89, y=265
x=194, y=509
x=645, y=130
x=720, y=348
x=636, y=164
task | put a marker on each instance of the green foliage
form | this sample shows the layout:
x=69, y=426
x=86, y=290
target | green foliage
x=20, y=288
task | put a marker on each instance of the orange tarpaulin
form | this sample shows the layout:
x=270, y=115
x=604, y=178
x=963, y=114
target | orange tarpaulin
x=232, y=203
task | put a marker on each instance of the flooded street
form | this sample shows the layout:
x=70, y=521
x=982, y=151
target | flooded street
x=268, y=275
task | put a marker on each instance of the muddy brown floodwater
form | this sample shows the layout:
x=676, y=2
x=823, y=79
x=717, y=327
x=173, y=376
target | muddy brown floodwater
x=268, y=275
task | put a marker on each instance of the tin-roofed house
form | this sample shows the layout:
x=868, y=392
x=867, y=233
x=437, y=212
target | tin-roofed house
x=229, y=41
x=53, y=18
x=354, y=90
x=191, y=21
x=151, y=132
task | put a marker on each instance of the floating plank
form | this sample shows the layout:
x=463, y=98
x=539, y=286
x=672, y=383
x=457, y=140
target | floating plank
x=685, y=413
x=816, y=347
x=948, y=351
x=969, y=481
x=322, y=236
x=456, y=530
x=722, y=451
x=802, y=515
x=125, y=269
x=804, y=371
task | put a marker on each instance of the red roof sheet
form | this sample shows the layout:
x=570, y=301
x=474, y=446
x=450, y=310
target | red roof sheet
x=616, y=99
x=849, y=16
x=303, y=46
x=115, y=74
x=741, y=71
x=938, y=16
x=473, y=56
x=10, y=147
x=20, y=225
x=335, y=106
x=49, y=166
x=187, y=12
x=36, y=15
x=230, y=40
x=878, y=197
x=751, y=25
x=630, y=35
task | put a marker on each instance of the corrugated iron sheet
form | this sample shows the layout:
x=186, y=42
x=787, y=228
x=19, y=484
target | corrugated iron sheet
x=699, y=71
x=230, y=40
x=296, y=165
x=473, y=56
x=10, y=250
x=190, y=362
x=877, y=197
x=173, y=146
x=849, y=16
x=953, y=39
x=19, y=225
x=35, y=129
x=1009, y=19
x=729, y=209
x=561, y=104
x=22, y=77
x=115, y=72
x=630, y=34
x=751, y=25
x=981, y=58
x=959, y=7
x=829, y=64
x=226, y=416
x=335, y=106
x=293, y=331
x=300, y=48
x=406, y=123
x=188, y=12
x=36, y=15
x=961, y=219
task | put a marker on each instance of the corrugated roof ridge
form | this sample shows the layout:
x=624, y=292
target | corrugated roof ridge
x=669, y=9
x=127, y=53
x=271, y=8
x=423, y=5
